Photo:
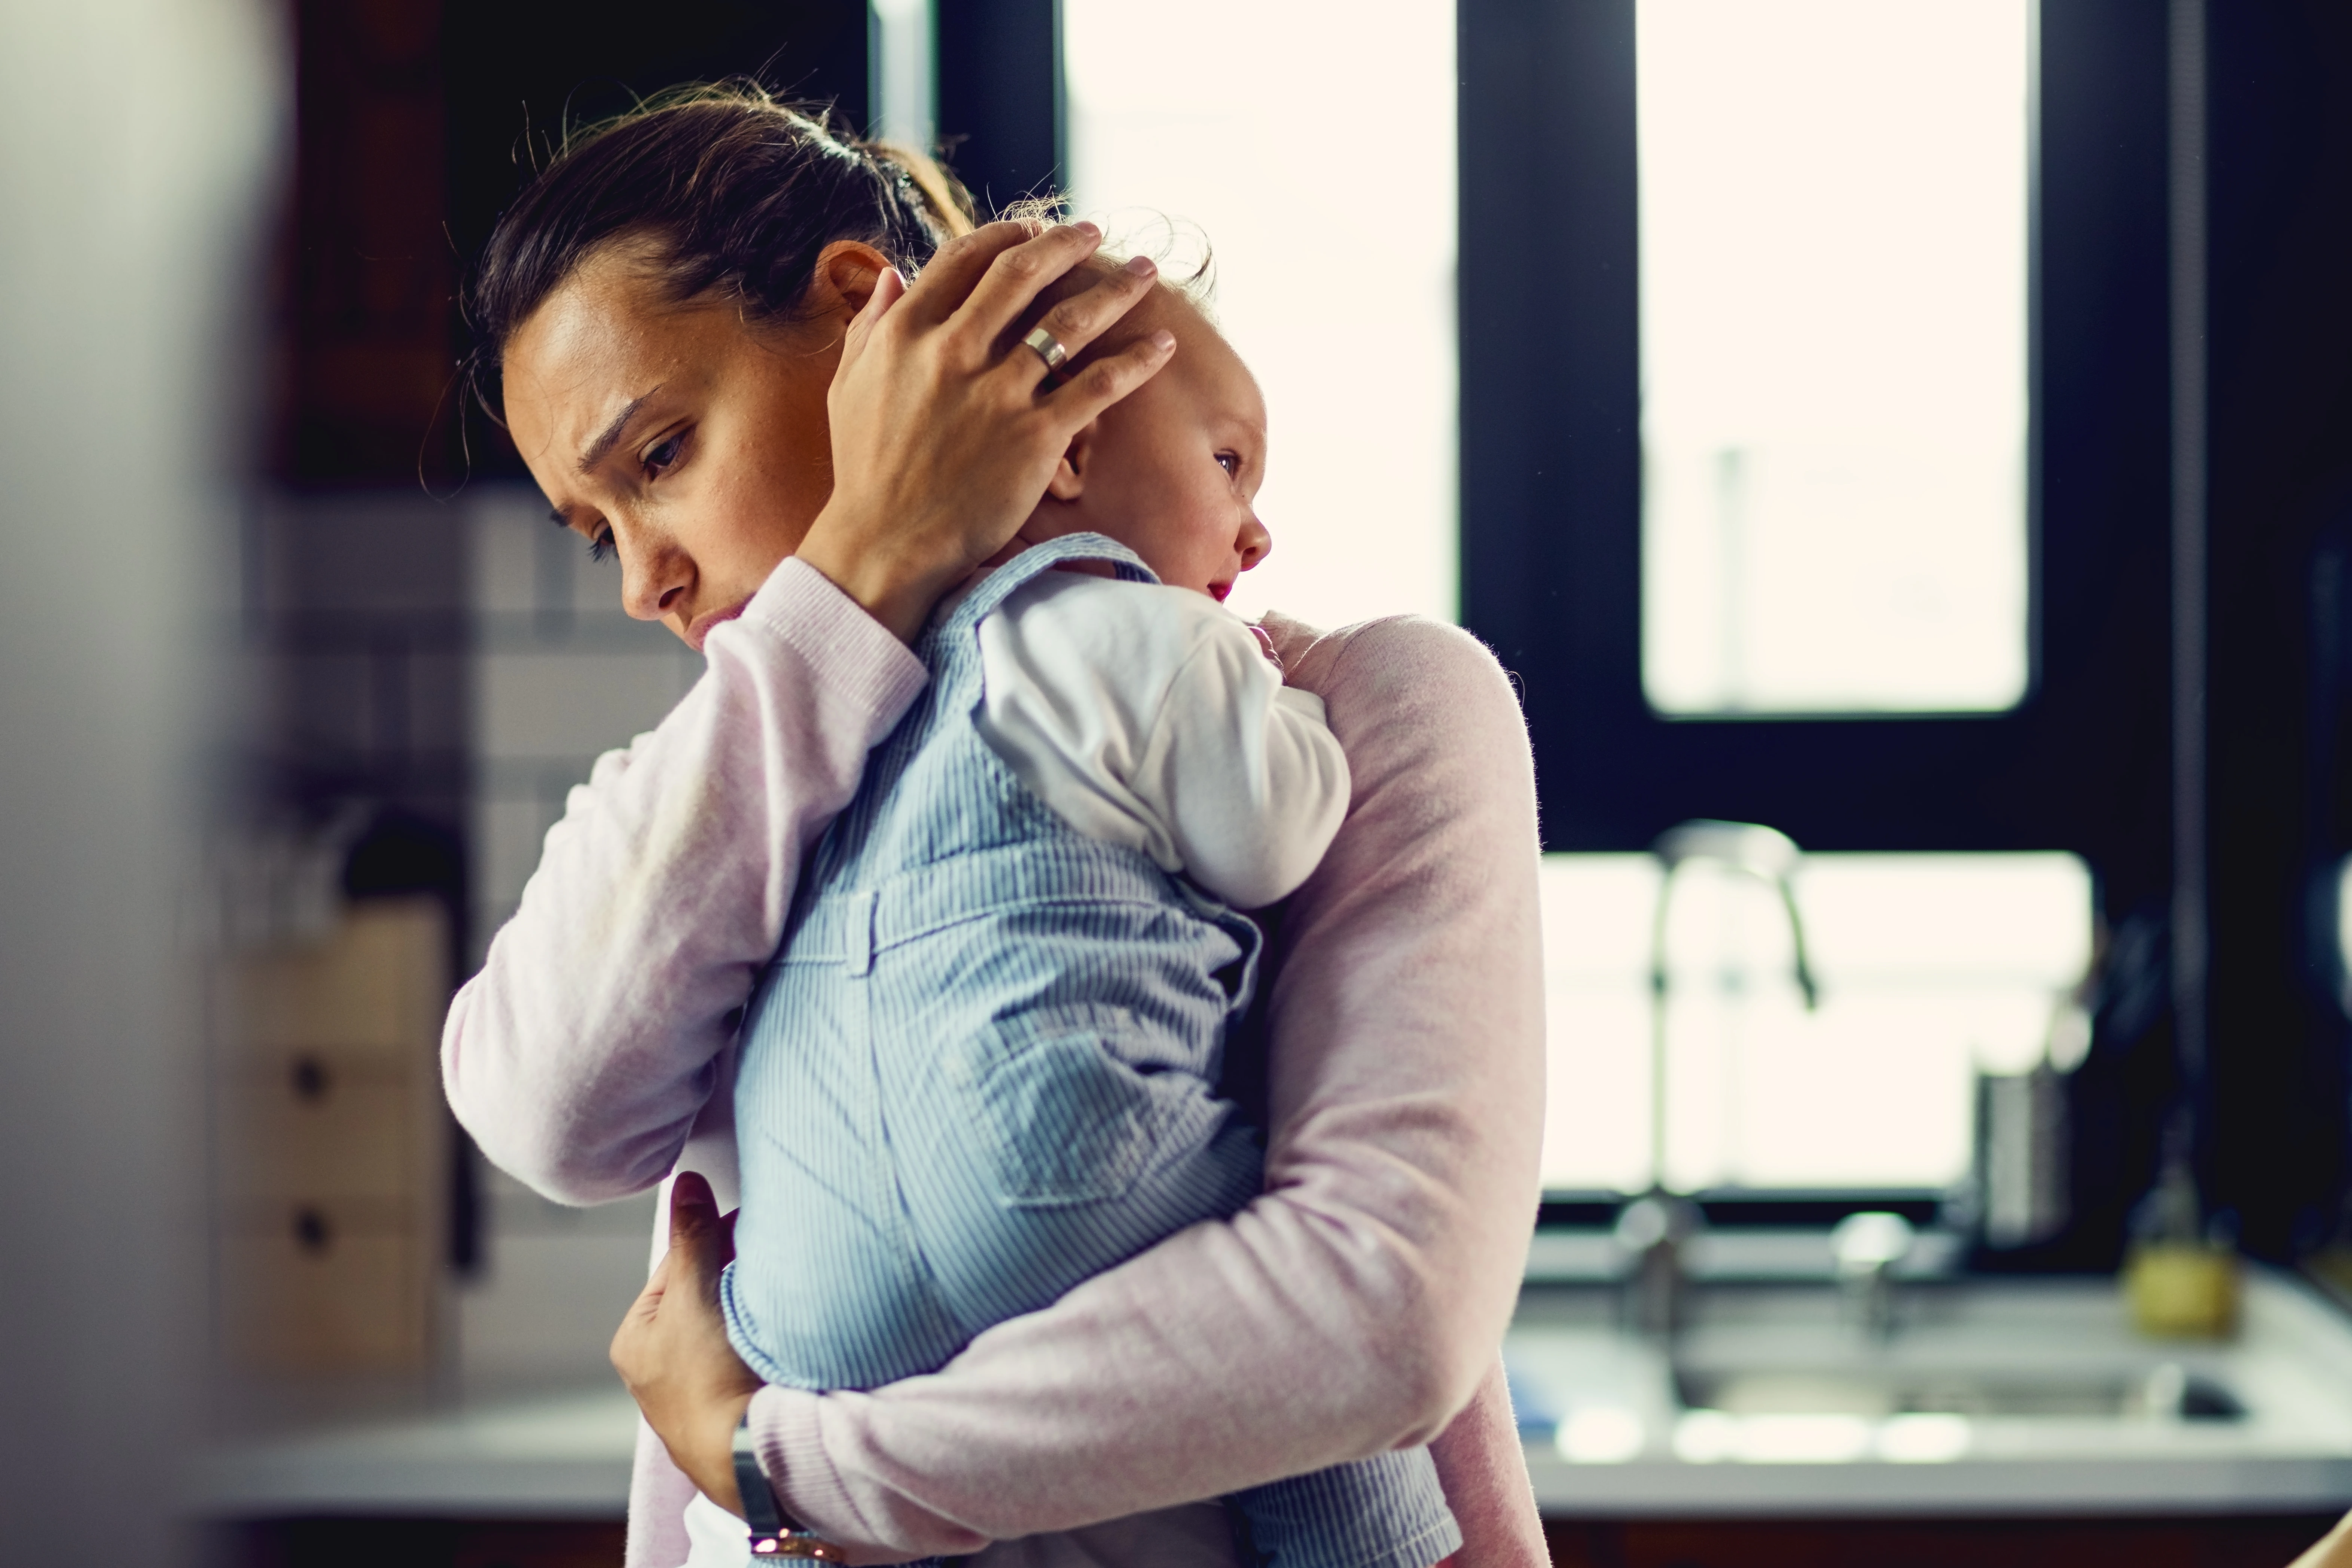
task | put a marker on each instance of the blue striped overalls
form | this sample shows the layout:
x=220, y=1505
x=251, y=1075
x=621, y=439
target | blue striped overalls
x=981, y=1069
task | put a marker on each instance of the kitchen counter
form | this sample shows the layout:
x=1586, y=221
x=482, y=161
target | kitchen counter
x=1611, y=1434
x=563, y=1454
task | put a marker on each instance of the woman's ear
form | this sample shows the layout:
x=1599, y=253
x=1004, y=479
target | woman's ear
x=1069, y=480
x=844, y=276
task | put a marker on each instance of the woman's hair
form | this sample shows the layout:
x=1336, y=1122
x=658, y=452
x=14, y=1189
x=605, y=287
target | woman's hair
x=734, y=192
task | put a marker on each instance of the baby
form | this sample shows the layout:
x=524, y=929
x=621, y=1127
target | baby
x=983, y=1067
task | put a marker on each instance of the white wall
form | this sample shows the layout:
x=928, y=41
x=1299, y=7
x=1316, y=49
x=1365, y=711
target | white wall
x=135, y=141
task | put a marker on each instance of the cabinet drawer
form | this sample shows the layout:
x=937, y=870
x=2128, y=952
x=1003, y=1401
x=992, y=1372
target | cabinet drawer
x=327, y=1286
x=328, y=1127
x=379, y=983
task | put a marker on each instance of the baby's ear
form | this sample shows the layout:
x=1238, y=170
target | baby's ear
x=1069, y=482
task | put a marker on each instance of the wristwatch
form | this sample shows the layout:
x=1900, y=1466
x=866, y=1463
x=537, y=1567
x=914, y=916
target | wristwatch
x=775, y=1533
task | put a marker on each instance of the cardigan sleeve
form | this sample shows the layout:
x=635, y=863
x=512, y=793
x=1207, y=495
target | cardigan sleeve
x=581, y=1055
x=1358, y=1304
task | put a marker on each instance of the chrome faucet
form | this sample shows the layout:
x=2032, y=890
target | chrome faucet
x=1867, y=1248
x=1655, y=1229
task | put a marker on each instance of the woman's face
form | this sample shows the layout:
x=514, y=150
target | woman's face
x=689, y=443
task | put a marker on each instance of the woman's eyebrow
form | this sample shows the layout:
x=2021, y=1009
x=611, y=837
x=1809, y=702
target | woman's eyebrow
x=610, y=437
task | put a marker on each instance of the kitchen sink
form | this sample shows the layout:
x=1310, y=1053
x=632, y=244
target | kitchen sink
x=2001, y=1394
x=2166, y=1392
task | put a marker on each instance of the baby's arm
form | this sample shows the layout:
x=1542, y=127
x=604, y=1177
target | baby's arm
x=1244, y=771
x=1150, y=716
x=580, y=1054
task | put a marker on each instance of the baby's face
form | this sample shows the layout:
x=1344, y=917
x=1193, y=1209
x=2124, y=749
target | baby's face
x=1172, y=471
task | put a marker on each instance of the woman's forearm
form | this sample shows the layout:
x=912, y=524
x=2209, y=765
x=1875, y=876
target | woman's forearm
x=1484, y=1470
x=580, y=1054
x=1360, y=1303
x=658, y=1495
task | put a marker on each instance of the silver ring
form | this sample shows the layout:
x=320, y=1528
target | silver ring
x=1049, y=349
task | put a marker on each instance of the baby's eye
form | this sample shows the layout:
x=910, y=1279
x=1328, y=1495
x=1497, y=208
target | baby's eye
x=601, y=547
x=1231, y=462
x=665, y=454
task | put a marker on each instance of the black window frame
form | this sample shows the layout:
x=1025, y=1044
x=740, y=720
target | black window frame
x=1550, y=486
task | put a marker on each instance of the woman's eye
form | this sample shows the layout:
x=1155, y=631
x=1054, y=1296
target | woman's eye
x=601, y=547
x=663, y=455
x=1231, y=462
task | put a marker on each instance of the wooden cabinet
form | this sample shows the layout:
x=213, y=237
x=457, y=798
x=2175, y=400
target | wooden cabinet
x=329, y=1144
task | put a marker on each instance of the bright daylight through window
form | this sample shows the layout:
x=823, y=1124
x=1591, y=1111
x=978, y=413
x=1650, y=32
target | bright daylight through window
x=1833, y=276
x=1286, y=132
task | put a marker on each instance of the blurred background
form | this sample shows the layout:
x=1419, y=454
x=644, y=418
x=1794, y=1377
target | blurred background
x=1903, y=452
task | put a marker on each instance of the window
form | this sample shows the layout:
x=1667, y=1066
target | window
x=901, y=75
x=1553, y=481
x=1284, y=134
x=1833, y=202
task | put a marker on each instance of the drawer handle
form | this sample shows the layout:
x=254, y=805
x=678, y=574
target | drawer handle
x=311, y=1232
x=309, y=1078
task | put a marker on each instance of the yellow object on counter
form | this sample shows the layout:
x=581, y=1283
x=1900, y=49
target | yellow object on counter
x=2182, y=1289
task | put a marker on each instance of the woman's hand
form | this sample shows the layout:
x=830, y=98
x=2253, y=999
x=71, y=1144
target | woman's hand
x=672, y=1350
x=944, y=432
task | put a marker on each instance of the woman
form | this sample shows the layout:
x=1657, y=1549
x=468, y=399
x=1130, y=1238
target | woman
x=711, y=365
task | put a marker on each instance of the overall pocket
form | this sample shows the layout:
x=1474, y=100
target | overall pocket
x=1062, y=1117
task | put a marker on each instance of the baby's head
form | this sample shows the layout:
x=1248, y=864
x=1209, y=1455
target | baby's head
x=1171, y=471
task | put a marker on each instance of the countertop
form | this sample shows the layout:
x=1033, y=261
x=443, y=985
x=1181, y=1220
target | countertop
x=547, y=1454
x=565, y=1453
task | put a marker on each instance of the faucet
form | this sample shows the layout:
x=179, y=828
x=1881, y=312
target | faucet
x=1867, y=1247
x=1657, y=1228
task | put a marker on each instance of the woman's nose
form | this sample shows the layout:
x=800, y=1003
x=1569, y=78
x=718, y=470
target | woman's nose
x=1253, y=542
x=655, y=579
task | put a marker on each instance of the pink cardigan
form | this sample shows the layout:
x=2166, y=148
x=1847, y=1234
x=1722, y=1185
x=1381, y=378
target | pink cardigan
x=1357, y=1306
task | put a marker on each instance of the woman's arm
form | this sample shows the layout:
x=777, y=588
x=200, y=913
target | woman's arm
x=1360, y=1303
x=580, y=1054
x=1483, y=1468
x=2332, y=1550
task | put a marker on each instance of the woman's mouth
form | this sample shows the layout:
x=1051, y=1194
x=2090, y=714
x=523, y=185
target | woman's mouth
x=1218, y=590
x=700, y=628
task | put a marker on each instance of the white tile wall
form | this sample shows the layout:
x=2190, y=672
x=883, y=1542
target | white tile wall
x=559, y=674
x=551, y=1289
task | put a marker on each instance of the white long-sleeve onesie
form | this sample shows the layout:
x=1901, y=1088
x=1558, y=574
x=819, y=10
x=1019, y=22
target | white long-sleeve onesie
x=1154, y=717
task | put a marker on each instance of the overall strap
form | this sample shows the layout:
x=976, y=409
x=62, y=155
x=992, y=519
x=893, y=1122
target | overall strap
x=1033, y=563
